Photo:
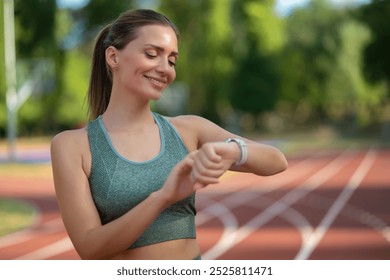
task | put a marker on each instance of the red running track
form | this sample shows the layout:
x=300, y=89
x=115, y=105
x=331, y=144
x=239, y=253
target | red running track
x=328, y=205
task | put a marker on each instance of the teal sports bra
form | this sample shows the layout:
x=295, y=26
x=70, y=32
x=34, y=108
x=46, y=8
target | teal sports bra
x=118, y=184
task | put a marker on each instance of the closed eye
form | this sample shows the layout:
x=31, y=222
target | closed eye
x=150, y=55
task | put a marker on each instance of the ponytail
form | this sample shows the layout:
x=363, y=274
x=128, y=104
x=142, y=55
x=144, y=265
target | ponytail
x=100, y=82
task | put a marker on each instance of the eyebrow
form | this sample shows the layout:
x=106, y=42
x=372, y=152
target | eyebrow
x=173, y=53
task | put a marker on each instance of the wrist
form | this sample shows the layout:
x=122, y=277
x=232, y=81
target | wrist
x=243, y=154
x=160, y=198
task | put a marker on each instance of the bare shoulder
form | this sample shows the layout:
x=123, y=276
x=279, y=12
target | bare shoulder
x=73, y=139
x=188, y=121
x=199, y=128
x=71, y=146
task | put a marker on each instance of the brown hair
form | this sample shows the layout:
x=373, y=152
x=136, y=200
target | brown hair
x=118, y=34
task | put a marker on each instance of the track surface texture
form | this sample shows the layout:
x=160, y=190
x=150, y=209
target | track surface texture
x=329, y=204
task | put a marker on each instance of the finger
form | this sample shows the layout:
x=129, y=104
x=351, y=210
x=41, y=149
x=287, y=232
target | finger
x=208, y=169
x=197, y=178
x=198, y=186
x=207, y=160
x=208, y=151
x=193, y=154
x=203, y=163
x=185, y=165
x=193, y=178
x=208, y=173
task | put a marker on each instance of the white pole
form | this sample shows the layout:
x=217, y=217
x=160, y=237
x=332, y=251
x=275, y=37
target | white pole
x=10, y=76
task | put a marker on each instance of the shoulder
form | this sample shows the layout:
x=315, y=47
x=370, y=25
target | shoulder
x=198, y=129
x=72, y=145
x=188, y=121
x=70, y=138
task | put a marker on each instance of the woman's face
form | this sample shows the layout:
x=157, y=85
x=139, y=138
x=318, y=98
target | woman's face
x=146, y=66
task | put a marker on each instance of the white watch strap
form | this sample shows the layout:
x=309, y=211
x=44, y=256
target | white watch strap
x=243, y=149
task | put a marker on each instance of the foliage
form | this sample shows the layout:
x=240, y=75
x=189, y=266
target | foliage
x=76, y=72
x=255, y=82
x=3, y=108
x=31, y=41
x=376, y=55
x=322, y=69
x=205, y=61
x=310, y=54
x=100, y=12
x=234, y=54
x=350, y=97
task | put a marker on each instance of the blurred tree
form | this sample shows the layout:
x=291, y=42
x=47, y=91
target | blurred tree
x=258, y=39
x=205, y=61
x=36, y=20
x=35, y=25
x=376, y=15
x=351, y=101
x=227, y=53
x=232, y=52
x=309, y=58
x=99, y=12
x=43, y=31
x=73, y=109
x=76, y=31
x=3, y=109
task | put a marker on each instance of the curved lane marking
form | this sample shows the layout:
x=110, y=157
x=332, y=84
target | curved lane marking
x=313, y=182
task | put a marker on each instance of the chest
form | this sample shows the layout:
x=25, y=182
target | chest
x=139, y=145
x=119, y=186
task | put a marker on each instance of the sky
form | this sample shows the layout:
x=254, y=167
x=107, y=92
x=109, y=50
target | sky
x=75, y=4
x=282, y=7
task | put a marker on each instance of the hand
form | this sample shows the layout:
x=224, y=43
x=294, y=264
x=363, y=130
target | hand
x=180, y=183
x=212, y=160
x=198, y=169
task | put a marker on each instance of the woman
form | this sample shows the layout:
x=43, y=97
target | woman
x=126, y=183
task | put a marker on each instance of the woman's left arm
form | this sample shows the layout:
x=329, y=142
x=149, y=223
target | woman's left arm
x=261, y=159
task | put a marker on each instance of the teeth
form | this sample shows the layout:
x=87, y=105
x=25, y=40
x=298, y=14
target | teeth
x=156, y=81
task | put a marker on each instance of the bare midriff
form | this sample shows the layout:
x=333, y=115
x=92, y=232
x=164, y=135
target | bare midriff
x=180, y=249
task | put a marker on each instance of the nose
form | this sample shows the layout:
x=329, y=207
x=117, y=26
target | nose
x=163, y=65
x=165, y=68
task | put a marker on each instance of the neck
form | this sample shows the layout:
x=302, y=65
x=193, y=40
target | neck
x=126, y=114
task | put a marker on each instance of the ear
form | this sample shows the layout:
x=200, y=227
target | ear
x=112, y=57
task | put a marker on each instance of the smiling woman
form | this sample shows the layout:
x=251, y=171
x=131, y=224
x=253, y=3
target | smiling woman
x=126, y=182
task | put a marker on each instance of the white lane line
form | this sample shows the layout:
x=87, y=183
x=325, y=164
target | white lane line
x=227, y=218
x=291, y=215
x=310, y=244
x=272, y=182
x=294, y=217
x=235, y=201
x=299, y=221
x=352, y=212
x=229, y=221
x=46, y=252
x=313, y=182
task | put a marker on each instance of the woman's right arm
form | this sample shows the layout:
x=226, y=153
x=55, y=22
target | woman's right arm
x=91, y=239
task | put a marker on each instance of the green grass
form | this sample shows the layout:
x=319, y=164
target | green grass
x=25, y=170
x=14, y=215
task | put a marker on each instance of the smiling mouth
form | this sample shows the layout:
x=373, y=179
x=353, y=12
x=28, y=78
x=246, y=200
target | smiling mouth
x=159, y=83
